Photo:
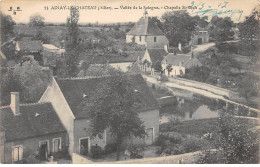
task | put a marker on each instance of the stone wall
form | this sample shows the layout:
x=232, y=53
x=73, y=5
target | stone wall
x=30, y=146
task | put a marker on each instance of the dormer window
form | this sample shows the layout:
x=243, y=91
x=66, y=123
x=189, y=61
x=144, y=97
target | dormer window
x=154, y=39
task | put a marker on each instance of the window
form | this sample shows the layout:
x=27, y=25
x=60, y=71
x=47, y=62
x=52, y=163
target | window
x=17, y=153
x=56, y=144
x=140, y=38
x=154, y=39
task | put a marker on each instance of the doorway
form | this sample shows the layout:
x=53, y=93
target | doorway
x=149, y=137
x=199, y=41
x=84, y=146
x=43, y=149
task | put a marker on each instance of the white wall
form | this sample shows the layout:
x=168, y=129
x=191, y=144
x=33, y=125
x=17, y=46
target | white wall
x=54, y=95
x=175, y=70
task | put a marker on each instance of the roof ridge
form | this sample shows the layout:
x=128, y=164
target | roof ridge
x=86, y=77
x=30, y=104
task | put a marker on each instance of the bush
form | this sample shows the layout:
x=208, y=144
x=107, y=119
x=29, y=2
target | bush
x=96, y=151
x=192, y=144
x=110, y=148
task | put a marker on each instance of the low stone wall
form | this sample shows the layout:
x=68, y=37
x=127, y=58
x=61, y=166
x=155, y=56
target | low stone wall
x=166, y=100
x=204, y=86
x=188, y=158
x=79, y=159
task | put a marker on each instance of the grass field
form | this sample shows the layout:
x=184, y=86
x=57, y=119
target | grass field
x=54, y=33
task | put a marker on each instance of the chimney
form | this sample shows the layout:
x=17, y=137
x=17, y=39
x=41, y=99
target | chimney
x=179, y=46
x=15, y=103
x=166, y=48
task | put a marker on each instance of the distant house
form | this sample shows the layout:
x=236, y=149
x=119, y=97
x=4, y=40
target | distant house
x=146, y=32
x=151, y=57
x=174, y=65
x=67, y=95
x=30, y=129
x=122, y=62
x=200, y=36
x=30, y=48
x=52, y=54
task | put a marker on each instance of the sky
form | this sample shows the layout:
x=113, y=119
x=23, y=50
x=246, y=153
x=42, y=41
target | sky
x=91, y=11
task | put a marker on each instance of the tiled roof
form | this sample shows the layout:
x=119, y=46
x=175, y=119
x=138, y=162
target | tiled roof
x=193, y=62
x=35, y=120
x=132, y=57
x=146, y=26
x=156, y=54
x=175, y=59
x=74, y=89
x=33, y=46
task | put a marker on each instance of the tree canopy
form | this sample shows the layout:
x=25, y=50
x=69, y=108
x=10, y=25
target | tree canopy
x=221, y=28
x=7, y=27
x=36, y=21
x=178, y=27
x=28, y=78
x=115, y=107
x=72, y=44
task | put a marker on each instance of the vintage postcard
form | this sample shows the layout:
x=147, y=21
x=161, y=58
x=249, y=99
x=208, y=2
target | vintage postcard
x=129, y=81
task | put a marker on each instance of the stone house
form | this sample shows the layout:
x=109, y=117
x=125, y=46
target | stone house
x=67, y=96
x=200, y=36
x=178, y=63
x=27, y=47
x=30, y=129
x=122, y=62
x=146, y=32
x=151, y=57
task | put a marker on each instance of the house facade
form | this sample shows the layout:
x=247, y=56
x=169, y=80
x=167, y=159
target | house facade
x=151, y=57
x=28, y=130
x=173, y=65
x=146, y=32
x=200, y=36
x=67, y=96
x=177, y=64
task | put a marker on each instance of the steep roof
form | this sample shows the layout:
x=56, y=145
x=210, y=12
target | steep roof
x=192, y=62
x=156, y=54
x=35, y=120
x=176, y=59
x=74, y=89
x=33, y=46
x=146, y=26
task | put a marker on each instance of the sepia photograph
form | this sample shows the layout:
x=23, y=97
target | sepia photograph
x=129, y=81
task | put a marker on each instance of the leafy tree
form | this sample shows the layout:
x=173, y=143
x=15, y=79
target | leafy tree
x=7, y=27
x=29, y=78
x=9, y=83
x=72, y=43
x=249, y=29
x=158, y=22
x=33, y=78
x=198, y=73
x=36, y=21
x=135, y=68
x=158, y=66
x=178, y=27
x=169, y=69
x=114, y=106
x=221, y=28
x=248, y=85
x=237, y=140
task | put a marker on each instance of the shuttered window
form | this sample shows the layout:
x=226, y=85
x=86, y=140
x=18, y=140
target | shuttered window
x=17, y=153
